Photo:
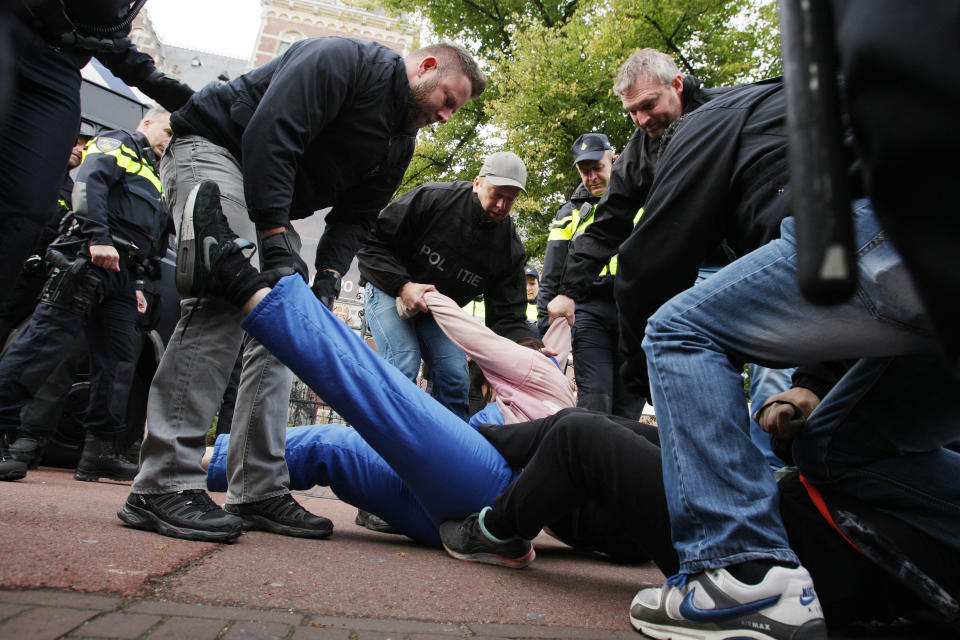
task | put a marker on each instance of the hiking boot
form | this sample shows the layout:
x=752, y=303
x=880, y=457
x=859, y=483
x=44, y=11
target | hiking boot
x=467, y=540
x=714, y=604
x=374, y=522
x=102, y=459
x=28, y=450
x=10, y=468
x=189, y=514
x=281, y=514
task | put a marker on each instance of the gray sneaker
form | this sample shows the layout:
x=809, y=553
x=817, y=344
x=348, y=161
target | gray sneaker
x=466, y=540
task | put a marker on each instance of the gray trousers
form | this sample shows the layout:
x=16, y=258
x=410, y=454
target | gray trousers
x=192, y=376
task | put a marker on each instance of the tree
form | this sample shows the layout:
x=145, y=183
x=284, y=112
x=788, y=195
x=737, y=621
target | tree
x=551, y=67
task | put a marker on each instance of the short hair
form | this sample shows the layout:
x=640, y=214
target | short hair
x=453, y=54
x=154, y=112
x=645, y=62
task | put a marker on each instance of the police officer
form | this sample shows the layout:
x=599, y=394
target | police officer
x=655, y=94
x=50, y=41
x=595, y=334
x=96, y=284
x=456, y=238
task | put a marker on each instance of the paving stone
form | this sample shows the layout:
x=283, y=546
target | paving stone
x=205, y=611
x=251, y=630
x=118, y=625
x=189, y=629
x=396, y=627
x=533, y=631
x=61, y=599
x=320, y=632
x=44, y=623
x=7, y=610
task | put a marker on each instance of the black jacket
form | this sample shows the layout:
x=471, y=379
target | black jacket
x=567, y=225
x=323, y=125
x=117, y=193
x=723, y=178
x=438, y=234
x=626, y=194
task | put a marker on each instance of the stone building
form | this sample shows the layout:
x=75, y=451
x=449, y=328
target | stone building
x=282, y=22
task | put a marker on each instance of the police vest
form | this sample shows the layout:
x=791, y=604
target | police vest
x=567, y=229
x=141, y=180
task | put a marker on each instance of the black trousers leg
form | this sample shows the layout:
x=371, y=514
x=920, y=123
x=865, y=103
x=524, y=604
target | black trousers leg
x=588, y=458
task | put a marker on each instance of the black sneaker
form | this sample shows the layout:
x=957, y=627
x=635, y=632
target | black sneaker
x=189, y=514
x=205, y=237
x=374, y=522
x=283, y=515
x=466, y=540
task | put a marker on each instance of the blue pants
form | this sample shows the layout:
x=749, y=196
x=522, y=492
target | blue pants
x=722, y=497
x=397, y=420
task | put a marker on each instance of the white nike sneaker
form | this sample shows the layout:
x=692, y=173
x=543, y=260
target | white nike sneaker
x=713, y=604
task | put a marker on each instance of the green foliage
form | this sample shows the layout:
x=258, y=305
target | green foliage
x=551, y=67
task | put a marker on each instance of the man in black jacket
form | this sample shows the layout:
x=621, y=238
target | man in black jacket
x=596, y=354
x=456, y=238
x=330, y=123
x=50, y=41
x=655, y=94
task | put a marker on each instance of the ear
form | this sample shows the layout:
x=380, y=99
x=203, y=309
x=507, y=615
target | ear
x=426, y=65
x=677, y=84
x=476, y=184
x=614, y=158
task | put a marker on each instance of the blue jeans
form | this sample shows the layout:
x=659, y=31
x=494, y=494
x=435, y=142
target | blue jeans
x=404, y=342
x=721, y=495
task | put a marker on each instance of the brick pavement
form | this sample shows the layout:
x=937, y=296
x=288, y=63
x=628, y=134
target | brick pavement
x=49, y=614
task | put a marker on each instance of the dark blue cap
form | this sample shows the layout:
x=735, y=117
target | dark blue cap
x=531, y=271
x=590, y=146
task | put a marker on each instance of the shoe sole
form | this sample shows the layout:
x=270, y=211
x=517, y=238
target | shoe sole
x=186, y=247
x=259, y=523
x=490, y=558
x=810, y=630
x=142, y=519
x=86, y=476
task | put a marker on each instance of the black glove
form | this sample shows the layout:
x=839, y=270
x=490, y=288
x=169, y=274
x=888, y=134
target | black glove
x=326, y=286
x=277, y=252
x=171, y=94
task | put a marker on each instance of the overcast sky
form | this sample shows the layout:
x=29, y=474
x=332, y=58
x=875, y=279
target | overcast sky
x=228, y=27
